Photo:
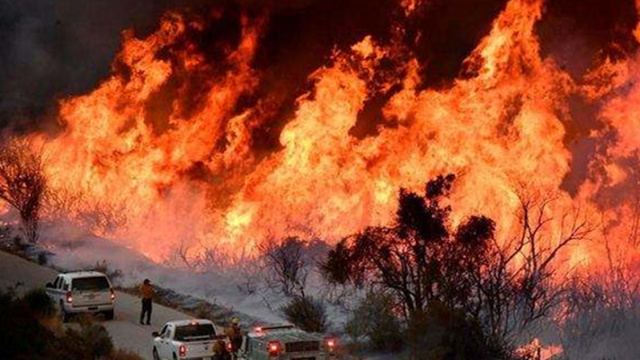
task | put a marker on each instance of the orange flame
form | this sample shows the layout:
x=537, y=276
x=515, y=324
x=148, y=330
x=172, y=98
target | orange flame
x=193, y=178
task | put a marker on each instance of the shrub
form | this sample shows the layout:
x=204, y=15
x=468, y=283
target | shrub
x=442, y=333
x=19, y=246
x=306, y=313
x=40, y=303
x=26, y=337
x=374, y=318
x=89, y=342
x=286, y=264
x=22, y=333
x=43, y=258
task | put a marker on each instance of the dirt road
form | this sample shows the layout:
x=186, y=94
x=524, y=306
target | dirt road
x=125, y=330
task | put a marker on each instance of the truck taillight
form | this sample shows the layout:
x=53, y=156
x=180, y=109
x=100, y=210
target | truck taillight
x=229, y=346
x=113, y=295
x=182, y=351
x=69, y=297
x=274, y=348
x=331, y=344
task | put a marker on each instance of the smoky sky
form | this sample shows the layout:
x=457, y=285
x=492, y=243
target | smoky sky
x=51, y=49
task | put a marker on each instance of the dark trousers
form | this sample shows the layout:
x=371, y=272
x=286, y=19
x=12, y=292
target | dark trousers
x=236, y=344
x=146, y=309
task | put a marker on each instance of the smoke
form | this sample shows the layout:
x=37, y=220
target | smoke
x=53, y=49
x=579, y=37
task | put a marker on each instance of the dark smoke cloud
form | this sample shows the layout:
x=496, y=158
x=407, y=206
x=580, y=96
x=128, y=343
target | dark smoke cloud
x=60, y=47
x=577, y=33
x=56, y=48
x=578, y=36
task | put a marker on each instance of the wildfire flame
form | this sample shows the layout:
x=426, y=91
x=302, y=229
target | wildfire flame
x=185, y=173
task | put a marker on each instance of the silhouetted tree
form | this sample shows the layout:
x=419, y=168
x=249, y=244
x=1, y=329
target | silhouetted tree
x=414, y=258
x=23, y=183
x=499, y=288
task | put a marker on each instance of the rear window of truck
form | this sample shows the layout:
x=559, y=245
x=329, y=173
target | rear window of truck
x=194, y=332
x=94, y=283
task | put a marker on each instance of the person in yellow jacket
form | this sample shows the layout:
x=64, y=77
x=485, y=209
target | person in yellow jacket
x=235, y=335
x=147, y=292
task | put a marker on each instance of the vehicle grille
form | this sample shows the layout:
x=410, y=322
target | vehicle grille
x=300, y=346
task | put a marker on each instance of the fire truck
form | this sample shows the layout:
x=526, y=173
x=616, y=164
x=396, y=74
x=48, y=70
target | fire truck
x=287, y=343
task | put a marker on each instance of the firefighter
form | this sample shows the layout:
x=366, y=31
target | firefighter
x=220, y=351
x=147, y=292
x=235, y=335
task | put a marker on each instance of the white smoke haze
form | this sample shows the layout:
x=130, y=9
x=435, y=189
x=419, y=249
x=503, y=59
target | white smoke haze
x=241, y=287
x=602, y=322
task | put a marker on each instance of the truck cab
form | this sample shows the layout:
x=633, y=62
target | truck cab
x=82, y=292
x=287, y=343
x=185, y=339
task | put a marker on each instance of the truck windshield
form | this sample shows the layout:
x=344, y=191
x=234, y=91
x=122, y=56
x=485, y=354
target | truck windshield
x=194, y=332
x=93, y=283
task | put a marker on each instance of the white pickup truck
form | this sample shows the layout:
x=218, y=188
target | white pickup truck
x=82, y=292
x=185, y=339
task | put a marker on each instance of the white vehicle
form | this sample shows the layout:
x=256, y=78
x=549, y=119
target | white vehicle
x=185, y=339
x=82, y=292
x=288, y=343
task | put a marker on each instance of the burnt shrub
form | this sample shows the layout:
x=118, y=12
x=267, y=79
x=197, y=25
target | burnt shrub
x=286, y=263
x=306, y=313
x=374, y=319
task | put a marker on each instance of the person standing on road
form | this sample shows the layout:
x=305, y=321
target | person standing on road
x=235, y=335
x=147, y=292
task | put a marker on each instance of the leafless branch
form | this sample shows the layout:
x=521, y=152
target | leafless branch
x=23, y=183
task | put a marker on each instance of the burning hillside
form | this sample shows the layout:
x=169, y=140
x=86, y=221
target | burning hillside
x=175, y=143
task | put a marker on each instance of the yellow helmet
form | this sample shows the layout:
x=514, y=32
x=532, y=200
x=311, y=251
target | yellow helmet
x=235, y=321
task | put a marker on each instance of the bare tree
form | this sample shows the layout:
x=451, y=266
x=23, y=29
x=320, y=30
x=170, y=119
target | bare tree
x=23, y=183
x=517, y=286
x=286, y=264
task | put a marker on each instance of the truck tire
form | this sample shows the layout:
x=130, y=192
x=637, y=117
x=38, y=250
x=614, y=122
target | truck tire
x=64, y=315
x=155, y=354
x=109, y=315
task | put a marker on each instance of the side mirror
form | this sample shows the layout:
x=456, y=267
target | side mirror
x=49, y=285
x=155, y=334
